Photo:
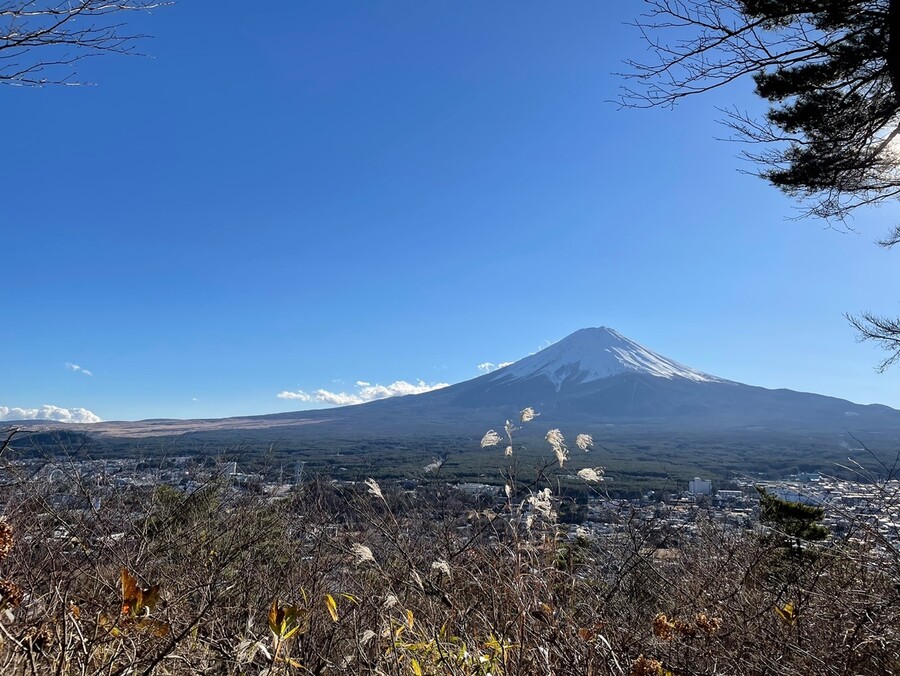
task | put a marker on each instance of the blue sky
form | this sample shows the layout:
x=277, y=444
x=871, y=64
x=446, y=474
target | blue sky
x=318, y=194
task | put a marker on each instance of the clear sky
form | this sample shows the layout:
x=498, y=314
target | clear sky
x=306, y=196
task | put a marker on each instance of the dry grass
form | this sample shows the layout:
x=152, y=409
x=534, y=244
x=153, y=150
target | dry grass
x=370, y=579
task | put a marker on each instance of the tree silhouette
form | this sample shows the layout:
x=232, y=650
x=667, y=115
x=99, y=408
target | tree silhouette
x=794, y=521
x=830, y=70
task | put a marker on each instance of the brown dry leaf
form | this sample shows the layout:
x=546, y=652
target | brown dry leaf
x=157, y=628
x=136, y=598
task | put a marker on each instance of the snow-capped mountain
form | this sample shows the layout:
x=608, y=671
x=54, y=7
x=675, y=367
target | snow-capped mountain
x=647, y=409
x=592, y=379
x=599, y=376
x=593, y=354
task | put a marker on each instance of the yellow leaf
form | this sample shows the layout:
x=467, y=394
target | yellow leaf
x=787, y=613
x=331, y=604
x=409, y=618
x=285, y=621
x=416, y=668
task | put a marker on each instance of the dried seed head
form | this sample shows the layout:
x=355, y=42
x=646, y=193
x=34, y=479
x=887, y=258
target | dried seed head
x=362, y=553
x=645, y=666
x=6, y=539
x=557, y=443
x=10, y=594
x=542, y=503
x=708, y=625
x=584, y=441
x=490, y=439
x=374, y=488
x=441, y=566
x=663, y=627
x=591, y=474
x=527, y=415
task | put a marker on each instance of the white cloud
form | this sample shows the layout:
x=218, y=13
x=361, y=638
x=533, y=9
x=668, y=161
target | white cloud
x=300, y=394
x=77, y=369
x=49, y=412
x=338, y=398
x=365, y=392
x=489, y=366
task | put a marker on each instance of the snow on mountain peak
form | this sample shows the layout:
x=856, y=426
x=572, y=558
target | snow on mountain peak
x=592, y=354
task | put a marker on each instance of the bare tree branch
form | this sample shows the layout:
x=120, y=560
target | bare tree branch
x=42, y=41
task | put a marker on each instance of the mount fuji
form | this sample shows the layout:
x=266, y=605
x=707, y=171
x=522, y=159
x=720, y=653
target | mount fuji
x=652, y=416
x=597, y=375
x=594, y=378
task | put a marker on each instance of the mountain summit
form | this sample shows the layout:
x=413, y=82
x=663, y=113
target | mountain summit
x=593, y=354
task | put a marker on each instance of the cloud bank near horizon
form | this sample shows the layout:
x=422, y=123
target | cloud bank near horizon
x=49, y=412
x=365, y=392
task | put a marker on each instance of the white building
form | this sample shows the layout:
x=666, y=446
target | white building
x=699, y=486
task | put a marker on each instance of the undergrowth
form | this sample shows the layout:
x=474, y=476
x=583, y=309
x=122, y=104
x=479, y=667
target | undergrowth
x=334, y=578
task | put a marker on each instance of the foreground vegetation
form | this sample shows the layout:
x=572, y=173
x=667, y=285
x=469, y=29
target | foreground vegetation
x=364, y=578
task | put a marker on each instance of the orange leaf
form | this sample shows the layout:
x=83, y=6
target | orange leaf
x=275, y=617
x=134, y=597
